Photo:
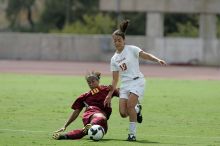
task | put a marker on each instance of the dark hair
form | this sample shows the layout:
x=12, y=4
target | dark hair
x=93, y=74
x=122, y=29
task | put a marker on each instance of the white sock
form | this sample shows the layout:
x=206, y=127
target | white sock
x=132, y=128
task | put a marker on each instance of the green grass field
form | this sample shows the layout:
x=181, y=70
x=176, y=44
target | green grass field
x=176, y=112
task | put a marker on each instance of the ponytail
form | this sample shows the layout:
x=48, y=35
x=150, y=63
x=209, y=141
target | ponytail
x=122, y=29
x=123, y=26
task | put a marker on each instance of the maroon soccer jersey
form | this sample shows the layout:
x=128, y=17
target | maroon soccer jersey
x=95, y=98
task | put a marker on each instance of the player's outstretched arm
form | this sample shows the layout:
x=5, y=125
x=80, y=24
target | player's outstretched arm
x=72, y=118
x=148, y=56
x=115, y=77
x=60, y=130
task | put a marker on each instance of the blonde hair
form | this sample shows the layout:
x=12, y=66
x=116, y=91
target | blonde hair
x=94, y=74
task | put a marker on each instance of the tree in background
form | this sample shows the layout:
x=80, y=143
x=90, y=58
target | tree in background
x=59, y=13
x=14, y=9
x=181, y=25
x=137, y=24
x=218, y=26
x=97, y=24
x=83, y=16
x=54, y=15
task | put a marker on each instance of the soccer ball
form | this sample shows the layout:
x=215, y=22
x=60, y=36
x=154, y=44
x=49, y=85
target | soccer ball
x=96, y=132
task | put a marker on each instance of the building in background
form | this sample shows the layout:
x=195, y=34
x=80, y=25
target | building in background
x=201, y=50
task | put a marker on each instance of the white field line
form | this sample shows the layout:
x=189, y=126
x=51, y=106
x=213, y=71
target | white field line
x=174, y=136
x=21, y=130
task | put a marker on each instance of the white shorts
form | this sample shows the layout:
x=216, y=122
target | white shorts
x=133, y=86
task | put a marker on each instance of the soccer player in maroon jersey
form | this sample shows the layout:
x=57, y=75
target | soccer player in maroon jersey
x=95, y=112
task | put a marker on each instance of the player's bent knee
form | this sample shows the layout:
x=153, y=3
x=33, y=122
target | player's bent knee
x=123, y=115
x=99, y=115
x=130, y=106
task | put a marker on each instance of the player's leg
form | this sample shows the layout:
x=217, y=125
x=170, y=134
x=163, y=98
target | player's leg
x=59, y=136
x=132, y=102
x=124, y=93
x=99, y=119
x=96, y=119
x=123, y=107
x=75, y=134
x=138, y=88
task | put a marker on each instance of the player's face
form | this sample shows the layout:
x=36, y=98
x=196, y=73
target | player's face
x=118, y=42
x=93, y=83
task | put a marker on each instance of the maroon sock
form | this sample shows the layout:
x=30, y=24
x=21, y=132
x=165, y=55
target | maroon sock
x=75, y=134
x=100, y=121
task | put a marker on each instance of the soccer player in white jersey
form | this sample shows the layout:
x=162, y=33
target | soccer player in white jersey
x=125, y=63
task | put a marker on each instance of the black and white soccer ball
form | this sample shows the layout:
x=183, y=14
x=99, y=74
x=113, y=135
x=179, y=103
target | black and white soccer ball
x=96, y=132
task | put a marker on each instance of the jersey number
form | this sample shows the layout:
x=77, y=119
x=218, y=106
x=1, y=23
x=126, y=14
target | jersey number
x=123, y=67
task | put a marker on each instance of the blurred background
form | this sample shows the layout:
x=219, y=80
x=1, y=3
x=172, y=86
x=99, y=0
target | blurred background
x=182, y=32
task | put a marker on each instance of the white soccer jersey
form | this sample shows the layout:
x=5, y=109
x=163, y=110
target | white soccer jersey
x=127, y=63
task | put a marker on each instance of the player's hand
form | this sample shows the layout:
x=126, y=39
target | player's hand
x=162, y=62
x=107, y=101
x=60, y=130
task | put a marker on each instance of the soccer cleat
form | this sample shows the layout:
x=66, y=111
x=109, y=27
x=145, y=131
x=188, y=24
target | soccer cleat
x=86, y=128
x=139, y=115
x=131, y=137
x=59, y=136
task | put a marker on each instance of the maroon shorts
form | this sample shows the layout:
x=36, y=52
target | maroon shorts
x=89, y=112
